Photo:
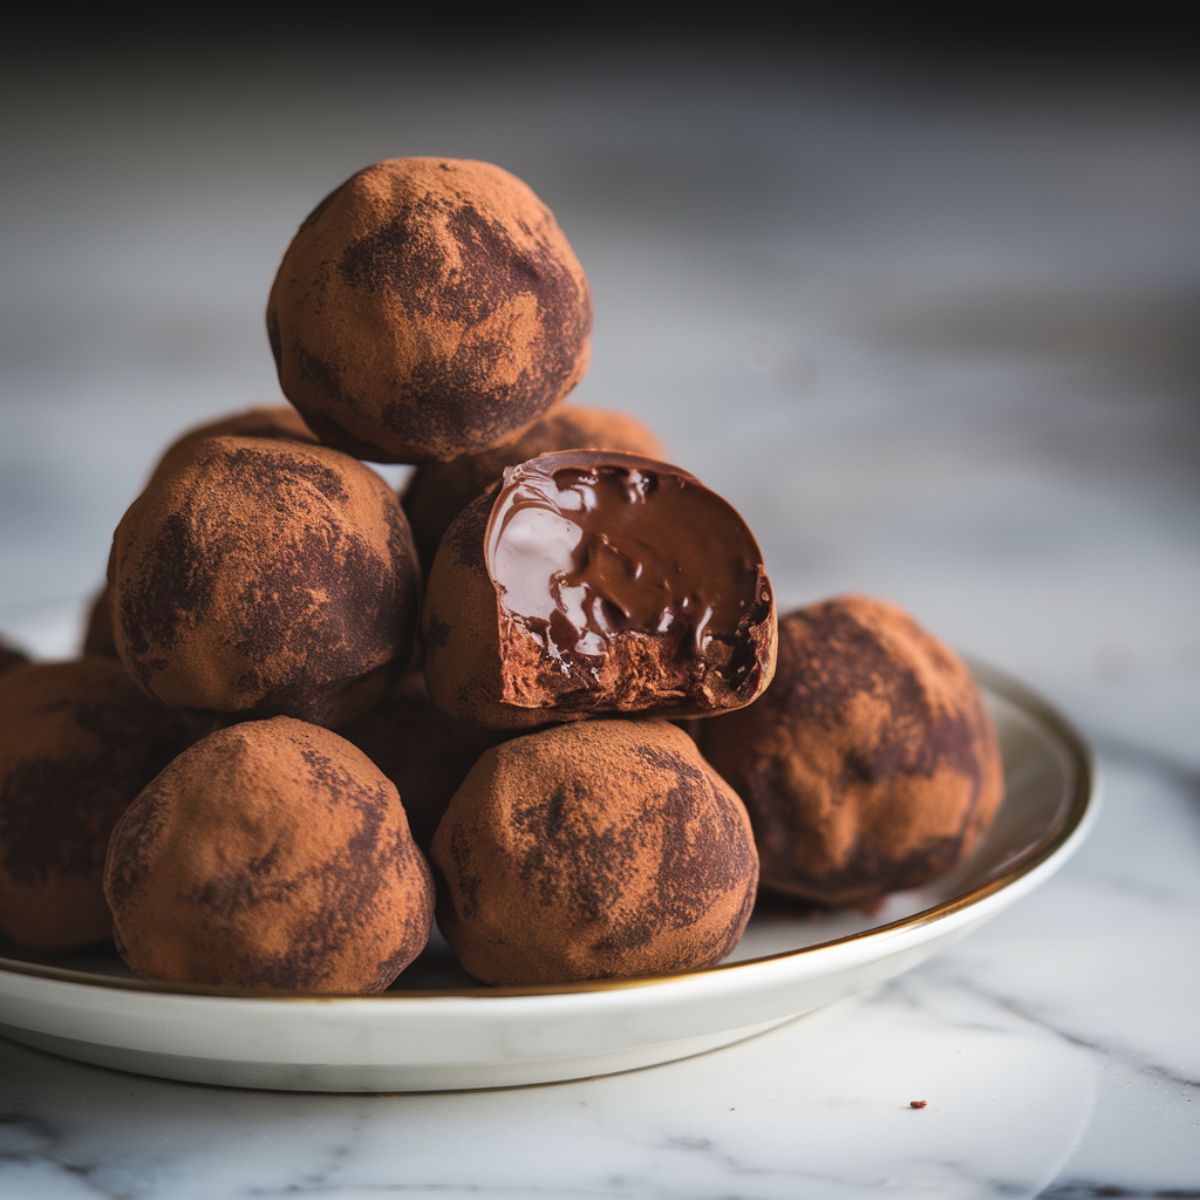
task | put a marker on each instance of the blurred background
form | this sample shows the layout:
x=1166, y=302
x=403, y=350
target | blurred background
x=927, y=311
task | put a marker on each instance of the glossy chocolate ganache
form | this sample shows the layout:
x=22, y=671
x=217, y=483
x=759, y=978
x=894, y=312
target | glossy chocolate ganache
x=618, y=574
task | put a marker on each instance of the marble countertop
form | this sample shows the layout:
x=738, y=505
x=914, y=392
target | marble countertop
x=940, y=352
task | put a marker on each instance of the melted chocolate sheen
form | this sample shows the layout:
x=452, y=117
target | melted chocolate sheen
x=581, y=553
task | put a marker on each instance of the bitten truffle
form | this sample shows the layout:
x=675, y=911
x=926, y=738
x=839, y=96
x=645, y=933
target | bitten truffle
x=422, y=751
x=438, y=492
x=591, y=582
x=10, y=656
x=604, y=849
x=870, y=765
x=78, y=741
x=272, y=855
x=427, y=308
x=257, y=577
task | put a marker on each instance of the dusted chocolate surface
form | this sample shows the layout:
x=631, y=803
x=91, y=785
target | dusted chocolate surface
x=78, y=741
x=592, y=582
x=279, y=421
x=438, y=492
x=271, y=855
x=596, y=850
x=10, y=656
x=99, y=639
x=422, y=751
x=273, y=421
x=261, y=577
x=870, y=765
x=427, y=308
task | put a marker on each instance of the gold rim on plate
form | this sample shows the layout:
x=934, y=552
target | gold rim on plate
x=1001, y=683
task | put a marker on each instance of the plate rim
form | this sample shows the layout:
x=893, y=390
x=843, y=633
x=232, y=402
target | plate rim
x=1080, y=814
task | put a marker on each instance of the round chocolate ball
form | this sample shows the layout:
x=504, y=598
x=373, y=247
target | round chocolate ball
x=427, y=308
x=99, y=640
x=600, y=850
x=870, y=765
x=10, y=656
x=78, y=741
x=438, y=492
x=257, y=577
x=271, y=855
x=592, y=582
x=269, y=421
x=422, y=751
x=274, y=421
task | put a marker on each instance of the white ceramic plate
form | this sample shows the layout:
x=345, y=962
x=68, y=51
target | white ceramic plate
x=437, y=1031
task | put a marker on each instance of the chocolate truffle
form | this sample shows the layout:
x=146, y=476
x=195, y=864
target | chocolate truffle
x=10, y=656
x=257, y=577
x=422, y=751
x=99, y=641
x=271, y=855
x=438, y=492
x=596, y=850
x=590, y=582
x=78, y=741
x=870, y=765
x=274, y=421
x=427, y=308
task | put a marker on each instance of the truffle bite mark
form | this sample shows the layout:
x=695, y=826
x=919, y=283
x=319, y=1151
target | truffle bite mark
x=438, y=492
x=621, y=579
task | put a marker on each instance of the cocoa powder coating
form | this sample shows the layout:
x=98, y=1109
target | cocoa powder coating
x=596, y=582
x=600, y=850
x=438, y=492
x=269, y=421
x=78, y=741
x=99, y=640
x=428, y=308
x=422, y=751
x=276, y=421
x=272, y=855
x=870, y=765
x=257, y=577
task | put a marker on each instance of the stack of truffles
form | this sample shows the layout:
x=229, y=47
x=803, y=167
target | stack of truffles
x=544, y=693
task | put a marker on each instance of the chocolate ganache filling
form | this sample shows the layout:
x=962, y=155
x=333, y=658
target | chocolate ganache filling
x=622, y=582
